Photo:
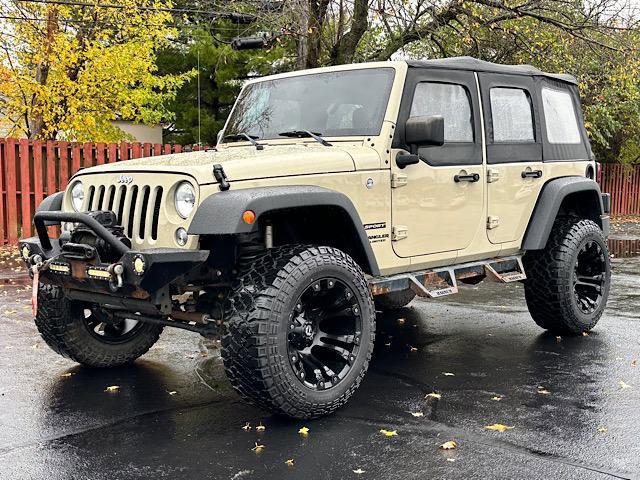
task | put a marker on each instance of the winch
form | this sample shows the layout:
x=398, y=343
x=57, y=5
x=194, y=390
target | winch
x=83, y=236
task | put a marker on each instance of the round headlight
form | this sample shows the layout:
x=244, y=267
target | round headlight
x=77, y=196
x=185, y=199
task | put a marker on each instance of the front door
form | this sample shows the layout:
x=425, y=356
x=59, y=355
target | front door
x=515, y=172
x=438, y=203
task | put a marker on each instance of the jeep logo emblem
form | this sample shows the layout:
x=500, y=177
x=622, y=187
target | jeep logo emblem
x=125, y=179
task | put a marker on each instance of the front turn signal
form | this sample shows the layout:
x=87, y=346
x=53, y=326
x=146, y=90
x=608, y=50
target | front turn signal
x=249, y=217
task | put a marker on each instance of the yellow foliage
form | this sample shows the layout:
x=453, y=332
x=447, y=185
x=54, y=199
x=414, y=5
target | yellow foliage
x=72, y=74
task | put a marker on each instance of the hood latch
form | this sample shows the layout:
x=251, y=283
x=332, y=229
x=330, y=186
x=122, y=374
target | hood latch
x=221, y=177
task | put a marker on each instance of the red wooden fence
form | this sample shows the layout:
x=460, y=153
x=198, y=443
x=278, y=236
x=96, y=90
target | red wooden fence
x=623, y=183
x=31, y=170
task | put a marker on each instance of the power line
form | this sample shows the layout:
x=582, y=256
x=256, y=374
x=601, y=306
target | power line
x=234, y=16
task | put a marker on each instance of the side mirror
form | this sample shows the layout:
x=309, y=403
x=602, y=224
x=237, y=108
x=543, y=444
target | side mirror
x=424, y=130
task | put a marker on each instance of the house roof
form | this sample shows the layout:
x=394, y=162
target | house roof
x=470, y=63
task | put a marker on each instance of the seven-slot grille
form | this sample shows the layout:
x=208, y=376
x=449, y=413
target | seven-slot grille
x=137, y=207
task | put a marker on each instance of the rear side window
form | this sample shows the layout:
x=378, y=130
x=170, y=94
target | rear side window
x=560, y=117
x=451, y=102
x=511, y=115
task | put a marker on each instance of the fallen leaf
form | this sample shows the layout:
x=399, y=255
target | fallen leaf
x=172, y=392
x=623, y=385
x=543, y=391
x=435, y=395
x=417, y=414
x=401, y=321
x=66, y=375
x=497, y=398
x=412, y=349
x=450, y=445
x=358, y=471
x=448, y=374
x=247, y=427
x=558, y=339
x=112, y=389
x=289, y=462
x=602, y=429
x=387, y=344
x=498, y=427
x=304, y=431
x=585, y=334
x=258, y=448
x=260, y=428
x=451, y=459
x=388, y=433
x=634, y=363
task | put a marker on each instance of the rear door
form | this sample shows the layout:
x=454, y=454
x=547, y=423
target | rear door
x=438, y=205
x=515, y=172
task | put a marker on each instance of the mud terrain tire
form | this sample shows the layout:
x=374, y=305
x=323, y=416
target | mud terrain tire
x=61, y=325
x=576, y=248
x=256, y=343
x=394, y=300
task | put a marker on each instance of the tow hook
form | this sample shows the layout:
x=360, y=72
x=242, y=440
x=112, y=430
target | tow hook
x=116, y=270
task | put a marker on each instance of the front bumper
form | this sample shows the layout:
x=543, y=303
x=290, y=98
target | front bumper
x=136, y=274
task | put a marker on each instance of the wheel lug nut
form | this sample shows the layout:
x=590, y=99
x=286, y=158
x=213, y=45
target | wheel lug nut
x=302, y=375
x=294, y=359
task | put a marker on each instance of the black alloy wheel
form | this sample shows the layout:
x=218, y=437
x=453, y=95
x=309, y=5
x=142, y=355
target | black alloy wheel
x=324, y=333
x=589, y=277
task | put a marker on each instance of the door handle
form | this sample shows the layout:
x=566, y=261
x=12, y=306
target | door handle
x=532, y=174
x=472, y=177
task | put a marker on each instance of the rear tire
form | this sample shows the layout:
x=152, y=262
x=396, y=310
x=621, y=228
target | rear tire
x=65, y=328
x=394, y=300
x=568, y=282
x=297, y=312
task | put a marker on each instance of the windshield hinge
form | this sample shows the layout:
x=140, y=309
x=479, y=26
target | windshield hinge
x=221, y=177
x=398, y=180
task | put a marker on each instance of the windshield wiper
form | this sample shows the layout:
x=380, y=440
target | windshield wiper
x=244, y=136
x=306, y=134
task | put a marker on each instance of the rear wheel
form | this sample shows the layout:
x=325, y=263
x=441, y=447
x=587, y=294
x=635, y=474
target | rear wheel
x=85, y=334
x=301, y=331
x=568, y=282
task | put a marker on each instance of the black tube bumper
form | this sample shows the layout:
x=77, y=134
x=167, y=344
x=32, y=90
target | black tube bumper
x=139, y=274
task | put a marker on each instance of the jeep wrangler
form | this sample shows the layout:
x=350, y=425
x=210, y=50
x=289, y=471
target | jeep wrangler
x=332, y=193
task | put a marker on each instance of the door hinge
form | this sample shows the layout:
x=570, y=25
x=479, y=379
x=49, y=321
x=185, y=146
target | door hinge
x=398, y=180
x=493, y=175
x=399, y=232
x=492, y=222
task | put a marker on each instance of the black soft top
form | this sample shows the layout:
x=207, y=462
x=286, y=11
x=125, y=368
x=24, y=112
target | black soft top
x=470, y=63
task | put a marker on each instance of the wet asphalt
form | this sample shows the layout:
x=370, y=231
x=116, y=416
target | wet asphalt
x=572, y=402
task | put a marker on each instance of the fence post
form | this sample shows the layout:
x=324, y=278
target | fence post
x=3, y=162
x=38, y=167
x=25, y=188
x=64, y=164
x=12, y=195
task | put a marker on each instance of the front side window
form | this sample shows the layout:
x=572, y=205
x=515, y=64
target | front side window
x=333, y=104
x=560, y=117
x=451, y=102
x=511, y=115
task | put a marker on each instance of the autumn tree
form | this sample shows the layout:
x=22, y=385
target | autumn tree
x=67, y=71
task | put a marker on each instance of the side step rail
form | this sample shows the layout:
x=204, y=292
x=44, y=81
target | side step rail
x=442, y=281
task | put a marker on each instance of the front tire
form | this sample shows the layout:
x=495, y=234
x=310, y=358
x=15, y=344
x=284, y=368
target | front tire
x=78, y=332
x=568, y=282
x=301, y=331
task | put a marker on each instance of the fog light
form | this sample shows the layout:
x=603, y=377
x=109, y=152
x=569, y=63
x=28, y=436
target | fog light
x=181, y=236
x=25, y=252
x=139, y=265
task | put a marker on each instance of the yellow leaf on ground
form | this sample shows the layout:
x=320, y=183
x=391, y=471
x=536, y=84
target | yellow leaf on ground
x=497, y=398
x=623, y=385
x=450, y=445
x=388, y=433
x=172, y=392
x=417, y=414
x=543, y=391
x=401, y=321
x=247, y=427
x=289, y=462
x=435, y=395
x=412, y=349
x=260, y=428
x=303, y=431
x=602, y=429
x=448, y=374
x=258, y=448
x=451, y=459
x=67, y=375
x=634, y=363
x=585, y=334
x=112, y=389
x=359, y=471
x=498, y=427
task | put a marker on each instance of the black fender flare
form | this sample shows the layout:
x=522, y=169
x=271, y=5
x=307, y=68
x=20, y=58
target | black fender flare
x=52, y=203
x=221, y=212
x=548, y=205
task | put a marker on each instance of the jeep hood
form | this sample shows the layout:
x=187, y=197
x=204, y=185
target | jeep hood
x=246, y=162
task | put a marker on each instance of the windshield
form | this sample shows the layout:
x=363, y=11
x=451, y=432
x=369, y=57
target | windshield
x=334, y=104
